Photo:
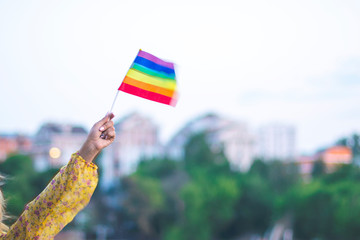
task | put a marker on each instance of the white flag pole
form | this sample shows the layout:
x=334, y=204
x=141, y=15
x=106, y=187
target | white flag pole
x=117, y=93
x=112, y=105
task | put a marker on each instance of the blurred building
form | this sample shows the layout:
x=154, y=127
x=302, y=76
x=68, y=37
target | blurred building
x=233, y=136
x=331, y=157
x=14, y=143
x=305, y=165
x=335, y=156
x=137, y=138
x=276, y=142
x=54, y=143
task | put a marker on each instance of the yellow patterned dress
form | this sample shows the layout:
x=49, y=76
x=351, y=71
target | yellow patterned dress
x=68, y=193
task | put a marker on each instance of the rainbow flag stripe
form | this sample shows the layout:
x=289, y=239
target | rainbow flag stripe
x=151, y=78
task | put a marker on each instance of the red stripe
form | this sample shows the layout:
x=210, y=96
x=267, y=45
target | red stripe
x=147, y=94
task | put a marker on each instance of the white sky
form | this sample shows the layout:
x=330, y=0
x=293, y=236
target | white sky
x=259, y=61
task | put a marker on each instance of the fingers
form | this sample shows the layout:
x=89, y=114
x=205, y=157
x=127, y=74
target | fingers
x=108, y=134
x=111, y=115
x=107, y=128
x=105, y=119
x=106, y=125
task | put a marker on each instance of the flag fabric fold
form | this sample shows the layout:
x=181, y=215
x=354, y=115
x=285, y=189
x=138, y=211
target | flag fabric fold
x=151, y=78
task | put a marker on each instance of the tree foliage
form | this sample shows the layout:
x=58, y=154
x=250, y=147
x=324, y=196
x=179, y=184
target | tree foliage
x=22, y=183
x=329, y=207
x=353, y=142
x=202, y=197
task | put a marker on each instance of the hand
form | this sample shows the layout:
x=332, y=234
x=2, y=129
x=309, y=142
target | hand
x=101, y=135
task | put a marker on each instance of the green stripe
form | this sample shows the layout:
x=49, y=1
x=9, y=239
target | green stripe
x=152, y=72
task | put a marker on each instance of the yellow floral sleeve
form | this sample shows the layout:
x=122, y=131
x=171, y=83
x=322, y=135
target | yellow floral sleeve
x=68, y=193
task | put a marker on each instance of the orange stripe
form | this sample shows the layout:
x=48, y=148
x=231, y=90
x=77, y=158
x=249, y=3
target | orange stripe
x=148, y=87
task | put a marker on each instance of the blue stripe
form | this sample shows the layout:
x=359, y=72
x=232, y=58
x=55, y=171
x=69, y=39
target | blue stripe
x=151, y=72
x=150, y=64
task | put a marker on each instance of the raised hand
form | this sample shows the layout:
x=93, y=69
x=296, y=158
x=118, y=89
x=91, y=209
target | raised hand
x=101, y=135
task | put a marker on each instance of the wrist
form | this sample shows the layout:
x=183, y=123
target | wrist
x=88, y=152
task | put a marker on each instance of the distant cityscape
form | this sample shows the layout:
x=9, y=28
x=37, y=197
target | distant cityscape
x=138, y=139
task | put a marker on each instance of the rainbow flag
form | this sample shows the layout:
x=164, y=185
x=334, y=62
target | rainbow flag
x=151, y=78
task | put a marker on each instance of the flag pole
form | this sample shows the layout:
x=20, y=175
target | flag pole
x=112, y=105
x=117, y=93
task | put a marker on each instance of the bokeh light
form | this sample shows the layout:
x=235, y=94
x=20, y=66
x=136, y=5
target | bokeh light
x=54, y=152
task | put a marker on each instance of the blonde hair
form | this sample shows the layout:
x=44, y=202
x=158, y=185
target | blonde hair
x=3, y=227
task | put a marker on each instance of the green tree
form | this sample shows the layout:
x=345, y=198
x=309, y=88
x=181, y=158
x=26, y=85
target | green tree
x=314, y=213
x=209, y=205
x=145, y=200
x=279, y=175
x=328, y=207
x=347, y=209
x=352, y=142
x=198, y=153
x=319, y=169
x=151, y=195
x=210, y=194
x=202, y=198
x=22, y=183
x=18, y=190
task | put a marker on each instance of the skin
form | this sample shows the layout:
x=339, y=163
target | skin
x=101, y=135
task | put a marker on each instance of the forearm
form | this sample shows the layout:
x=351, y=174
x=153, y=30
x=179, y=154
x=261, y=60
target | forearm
x=68, y=192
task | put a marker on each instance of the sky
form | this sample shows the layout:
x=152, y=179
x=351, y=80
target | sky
x=259, y=61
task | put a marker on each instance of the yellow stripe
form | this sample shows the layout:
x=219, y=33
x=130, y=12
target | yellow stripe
x=161, y=82
x=149, y=87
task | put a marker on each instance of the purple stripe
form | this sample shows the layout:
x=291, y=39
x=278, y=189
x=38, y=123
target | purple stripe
x=156, y=60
